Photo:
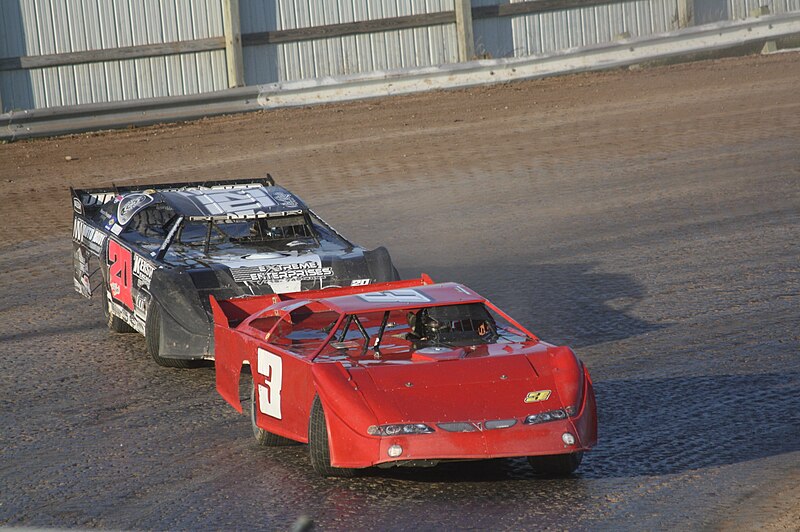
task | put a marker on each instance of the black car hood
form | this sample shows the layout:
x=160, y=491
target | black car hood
x=280, y=272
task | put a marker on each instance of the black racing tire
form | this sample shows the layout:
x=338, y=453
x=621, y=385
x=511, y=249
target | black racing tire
x=264, y=437
x=152, y=337
x=556, y=465
x=113, y=322
x=396, y=274
x=318, y=448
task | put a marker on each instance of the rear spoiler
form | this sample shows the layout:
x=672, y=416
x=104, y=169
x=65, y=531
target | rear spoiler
x=92, y=198
x=231, y=312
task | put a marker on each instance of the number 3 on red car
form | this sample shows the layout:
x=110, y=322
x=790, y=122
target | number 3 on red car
x=119, y=273
x=270, y=369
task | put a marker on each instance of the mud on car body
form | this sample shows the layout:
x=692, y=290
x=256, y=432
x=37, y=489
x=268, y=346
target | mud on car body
x=161, y=250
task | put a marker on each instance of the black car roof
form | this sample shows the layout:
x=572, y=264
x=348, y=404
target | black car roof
x=236, y=201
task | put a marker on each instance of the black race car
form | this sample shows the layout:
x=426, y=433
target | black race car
x=163, y=249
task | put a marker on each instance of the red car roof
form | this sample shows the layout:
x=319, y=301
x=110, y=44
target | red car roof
x=402, y=298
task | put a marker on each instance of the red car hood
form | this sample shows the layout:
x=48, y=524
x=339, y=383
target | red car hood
x=464, y=389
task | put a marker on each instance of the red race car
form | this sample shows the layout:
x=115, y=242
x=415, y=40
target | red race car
x=402, y=373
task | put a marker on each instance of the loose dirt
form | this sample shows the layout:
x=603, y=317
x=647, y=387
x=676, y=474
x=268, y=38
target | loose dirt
x=648, y=218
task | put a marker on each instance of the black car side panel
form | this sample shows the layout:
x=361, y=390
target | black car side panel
x=185, y=330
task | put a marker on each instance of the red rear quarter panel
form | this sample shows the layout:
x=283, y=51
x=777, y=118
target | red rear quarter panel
x=284, y=388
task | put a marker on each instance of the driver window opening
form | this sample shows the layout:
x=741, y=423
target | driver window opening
x=149, y=226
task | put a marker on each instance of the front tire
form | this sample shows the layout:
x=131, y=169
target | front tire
x=152, y=337
x=557, y=465
x=264, y=437
x=318, y=447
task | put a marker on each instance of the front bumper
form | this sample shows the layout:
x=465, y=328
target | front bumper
x=358, y=451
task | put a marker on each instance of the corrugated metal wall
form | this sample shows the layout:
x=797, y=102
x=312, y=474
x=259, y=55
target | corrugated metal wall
x=543, y=33
x=342, y=55
x=740, y=9
x=39, y=27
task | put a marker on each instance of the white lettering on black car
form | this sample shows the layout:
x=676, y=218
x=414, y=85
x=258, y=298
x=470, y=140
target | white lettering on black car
x=243, y=202
x=87, y=235
x=96, y=199
x=277, y=273
x=142, y=270
x=80, y=262
x=287, y=200
x=141, y=304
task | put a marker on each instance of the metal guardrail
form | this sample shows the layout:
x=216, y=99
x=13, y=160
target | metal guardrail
x=92, y=117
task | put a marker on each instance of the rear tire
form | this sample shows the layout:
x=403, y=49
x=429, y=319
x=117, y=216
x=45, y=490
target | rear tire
x=557, y=465
x=152, y=337
x=113, y=322
x=264, y=437
x=318, y=448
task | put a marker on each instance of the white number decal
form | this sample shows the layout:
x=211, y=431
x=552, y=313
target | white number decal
x=270, y=367
x=243, y=202
x=395, y=296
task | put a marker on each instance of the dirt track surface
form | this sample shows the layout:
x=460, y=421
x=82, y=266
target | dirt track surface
x=650, y=219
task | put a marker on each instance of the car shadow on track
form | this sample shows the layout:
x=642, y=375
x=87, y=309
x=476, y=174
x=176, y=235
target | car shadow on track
x=38, y=332
x=671, y=425
x=571, y=304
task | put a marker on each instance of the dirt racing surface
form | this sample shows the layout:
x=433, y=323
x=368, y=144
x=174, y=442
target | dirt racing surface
x=648, y=218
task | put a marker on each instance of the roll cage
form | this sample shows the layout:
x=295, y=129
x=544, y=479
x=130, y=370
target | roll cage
x=331, y=326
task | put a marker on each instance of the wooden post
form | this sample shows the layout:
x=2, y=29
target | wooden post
x=233, y=43
x=466, y=42
x=685, y=8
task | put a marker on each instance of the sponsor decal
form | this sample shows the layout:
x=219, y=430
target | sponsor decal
x=80, y=263
x=89, y=236
x=283, y=272
x=119, y=273
x=143, y=270
x=141, y=305
x=130, y=205
x=86, y=285
x=95, y=199
x=535, y=397
x=82, y=286
x=80, y=260
x=395, y=296
x=285, y=199
x=77, y=205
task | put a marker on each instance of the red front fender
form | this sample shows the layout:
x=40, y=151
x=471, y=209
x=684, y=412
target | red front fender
x=347, y=415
